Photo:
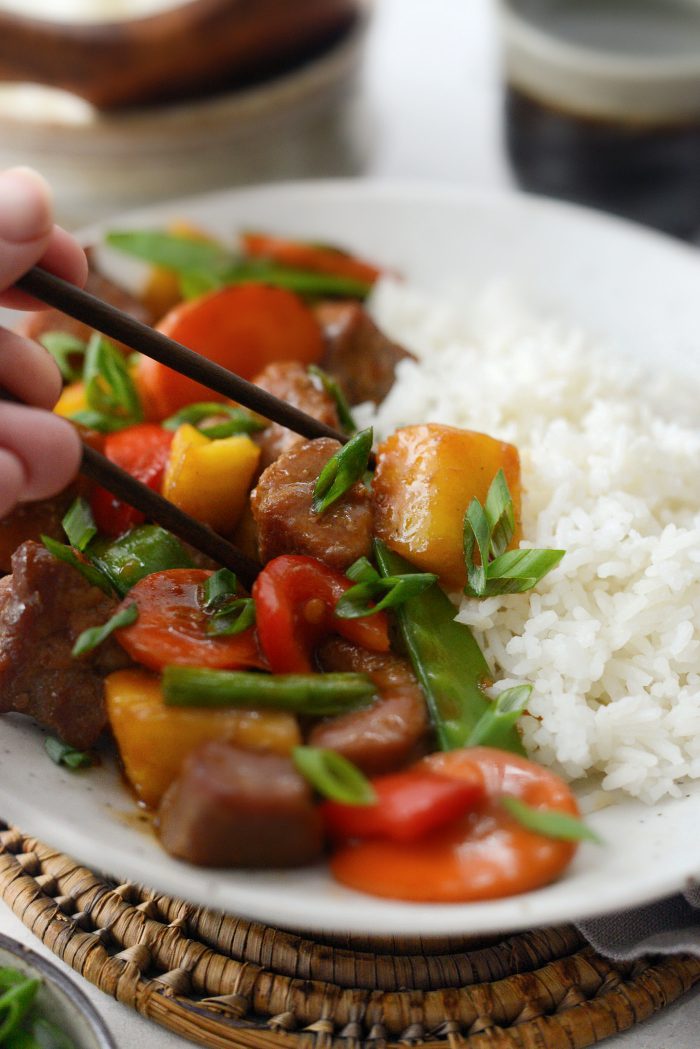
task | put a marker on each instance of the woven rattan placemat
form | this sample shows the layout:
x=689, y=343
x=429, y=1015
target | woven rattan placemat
x=222, y=981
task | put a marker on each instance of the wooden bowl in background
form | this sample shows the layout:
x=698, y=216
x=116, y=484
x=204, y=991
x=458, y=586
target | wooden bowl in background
x=193, y=48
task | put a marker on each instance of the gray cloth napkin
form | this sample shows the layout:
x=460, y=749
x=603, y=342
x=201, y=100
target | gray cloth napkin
x=670, y=926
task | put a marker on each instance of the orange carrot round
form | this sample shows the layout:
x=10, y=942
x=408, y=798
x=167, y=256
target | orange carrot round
x=300, y=255
x=243, y=328
x=483, y=855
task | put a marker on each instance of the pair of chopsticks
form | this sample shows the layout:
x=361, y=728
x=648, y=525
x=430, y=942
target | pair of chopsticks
x=108, y=320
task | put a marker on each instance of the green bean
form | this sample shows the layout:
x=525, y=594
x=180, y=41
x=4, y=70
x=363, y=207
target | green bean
x=312, y=694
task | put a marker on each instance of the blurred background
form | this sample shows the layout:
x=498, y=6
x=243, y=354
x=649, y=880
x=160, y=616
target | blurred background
x=122, y=102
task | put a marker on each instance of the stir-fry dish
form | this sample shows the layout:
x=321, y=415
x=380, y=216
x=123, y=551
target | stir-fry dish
x=331, y=706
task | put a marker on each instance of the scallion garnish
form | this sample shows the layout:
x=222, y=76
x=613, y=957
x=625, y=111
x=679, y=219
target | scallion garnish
x=488, y=530
x=67, y=554
x=19, y=992
x=233, y=619
x=237, y=420
x=334, y=776
x=317, y=695
x=332, y=388
x=79, y=524
x=219, y=590
x=549, y=822
x=374, y=593
x=342, y=471
x=94, y=636
x=109, y=389
x=62, y=346
x=494, y=727
x=62, y=754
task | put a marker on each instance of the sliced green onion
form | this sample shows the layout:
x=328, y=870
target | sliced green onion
x=94, y=636
x=79, y=524
x=362, y=571
x=68, y=555
x=99, y=421
x=549, y=822
x=366, y=599
x=494, y=727
x=14, y=1005
x=476, y=533
x=313, y=694
x=237, y=419
x=219, y=590
x=109, y=388
x=342, y=471
x=333, y=389
x=500, y=514
x=62, y=346
x=61, y=754
x=488, y=530
x=334, y=776
x=517, y=571
x=232, y=620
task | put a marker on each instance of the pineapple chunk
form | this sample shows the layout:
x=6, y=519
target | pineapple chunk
x=154, y=739
x=425, y=479
x=210, y=480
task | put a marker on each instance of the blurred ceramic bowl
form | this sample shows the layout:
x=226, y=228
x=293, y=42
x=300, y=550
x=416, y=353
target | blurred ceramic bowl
x=58, y=999
x=292, y=126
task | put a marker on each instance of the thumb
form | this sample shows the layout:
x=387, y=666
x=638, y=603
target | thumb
x=26, y=222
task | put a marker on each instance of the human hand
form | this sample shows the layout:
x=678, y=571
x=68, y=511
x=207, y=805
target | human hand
x=39, y=452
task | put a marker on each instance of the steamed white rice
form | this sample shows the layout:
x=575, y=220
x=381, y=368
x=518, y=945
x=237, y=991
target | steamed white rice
x=611, y=472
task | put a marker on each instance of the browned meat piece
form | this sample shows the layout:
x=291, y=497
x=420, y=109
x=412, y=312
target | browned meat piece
x=32, y=520
x=236, y=808
x=281, y=505
x=387, y=735
x=291, y=382
x=34, y=325
x=358, y=354
x=47, y=604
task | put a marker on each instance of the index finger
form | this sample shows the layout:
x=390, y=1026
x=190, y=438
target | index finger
x=64, y=257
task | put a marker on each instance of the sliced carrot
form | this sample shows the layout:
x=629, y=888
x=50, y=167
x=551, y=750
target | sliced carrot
x=171, y=626
x=483, y=855
x=243, y=328
x=304, y=256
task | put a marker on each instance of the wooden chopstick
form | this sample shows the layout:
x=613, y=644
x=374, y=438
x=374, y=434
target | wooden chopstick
x=156, y=508
x=82, y=306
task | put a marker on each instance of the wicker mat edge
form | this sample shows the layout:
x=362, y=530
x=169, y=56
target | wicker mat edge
x=226, y=982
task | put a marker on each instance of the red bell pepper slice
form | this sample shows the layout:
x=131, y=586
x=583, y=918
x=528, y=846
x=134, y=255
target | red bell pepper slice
x=142, y=451
x=409, y=805
x=295, y=597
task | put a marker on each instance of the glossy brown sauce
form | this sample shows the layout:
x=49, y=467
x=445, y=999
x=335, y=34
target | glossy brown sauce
x=646, y=172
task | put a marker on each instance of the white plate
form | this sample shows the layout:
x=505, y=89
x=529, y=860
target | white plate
x=638, y=289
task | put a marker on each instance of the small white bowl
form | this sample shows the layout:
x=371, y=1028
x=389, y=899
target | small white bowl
x=58, y=999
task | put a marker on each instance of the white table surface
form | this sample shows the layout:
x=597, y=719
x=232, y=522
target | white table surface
x=431, y=95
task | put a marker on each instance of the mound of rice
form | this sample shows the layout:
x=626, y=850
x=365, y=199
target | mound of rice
x=611, y=638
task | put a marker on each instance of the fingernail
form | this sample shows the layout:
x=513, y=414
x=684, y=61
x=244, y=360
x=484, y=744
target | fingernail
x=25, y=206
